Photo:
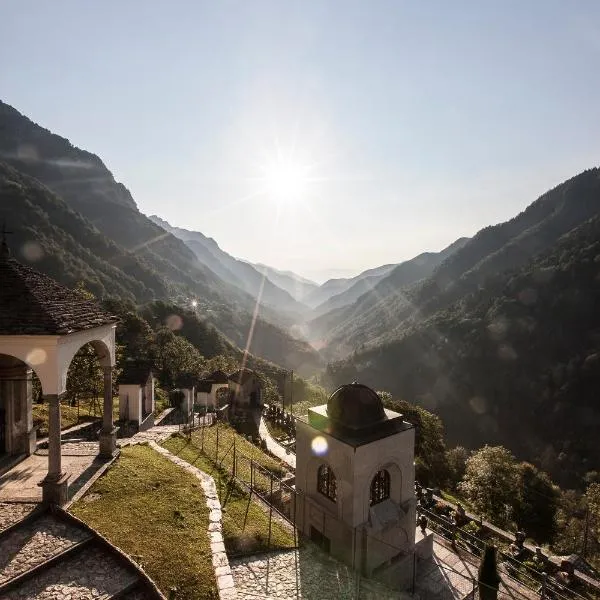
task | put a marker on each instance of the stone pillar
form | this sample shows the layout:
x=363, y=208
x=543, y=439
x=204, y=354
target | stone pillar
x=55, y=486
x=108, y=433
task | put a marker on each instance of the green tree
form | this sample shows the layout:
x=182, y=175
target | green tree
x=457, y=464
x=174, y=355
x=535, y=509
x=491, y=483
x=488, y=577
x=430, y=447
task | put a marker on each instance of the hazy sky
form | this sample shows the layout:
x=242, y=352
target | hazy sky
x=413, y=123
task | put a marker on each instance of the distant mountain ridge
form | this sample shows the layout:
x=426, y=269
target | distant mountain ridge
x=515, y=360
x=234, y=271
x=333, y=287
x=73, y=221
x=298, y=287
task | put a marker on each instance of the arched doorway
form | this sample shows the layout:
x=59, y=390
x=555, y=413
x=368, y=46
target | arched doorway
x=17, y=435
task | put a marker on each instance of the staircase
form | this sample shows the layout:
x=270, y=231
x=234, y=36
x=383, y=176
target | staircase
x=49, y=554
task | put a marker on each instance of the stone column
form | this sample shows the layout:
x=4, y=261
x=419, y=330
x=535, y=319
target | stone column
x=56, y=483
x=108, y=434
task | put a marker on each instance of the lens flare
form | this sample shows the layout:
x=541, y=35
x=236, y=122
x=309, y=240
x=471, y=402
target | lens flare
x=319, y=446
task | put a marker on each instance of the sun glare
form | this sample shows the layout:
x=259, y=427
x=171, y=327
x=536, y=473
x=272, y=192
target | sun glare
x=286, y=181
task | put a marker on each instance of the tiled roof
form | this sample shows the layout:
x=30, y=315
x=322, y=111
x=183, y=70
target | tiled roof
x=218, y=376
x=35, y=304
x=135, y=373
x=242, y=376
x=186, y=380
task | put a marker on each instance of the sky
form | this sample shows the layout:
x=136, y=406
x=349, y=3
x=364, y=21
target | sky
x=324, y=137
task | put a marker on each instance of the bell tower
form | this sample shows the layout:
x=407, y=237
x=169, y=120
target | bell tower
x=355, y=481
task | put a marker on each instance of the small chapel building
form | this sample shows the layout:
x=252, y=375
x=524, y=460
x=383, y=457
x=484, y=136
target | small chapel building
x=42, y=326
x=355, y=478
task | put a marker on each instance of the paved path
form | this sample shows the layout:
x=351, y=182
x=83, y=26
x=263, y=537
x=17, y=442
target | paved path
x=306, y=573
x=274, y=447
x=157, y=434
x=21, y=483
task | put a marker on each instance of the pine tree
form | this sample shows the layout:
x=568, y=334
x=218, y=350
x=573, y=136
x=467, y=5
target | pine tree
x=489, y=580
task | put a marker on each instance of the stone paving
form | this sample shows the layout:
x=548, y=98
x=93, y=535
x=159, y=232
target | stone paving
x=74, y=449
x=92, y=574
x=304, y=573
x=274, y=447
x=21, y=483
x=35, y=543
x=157, y=434
x=11, y=512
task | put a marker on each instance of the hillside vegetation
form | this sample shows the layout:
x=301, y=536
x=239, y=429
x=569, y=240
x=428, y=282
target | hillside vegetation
x=515, y=362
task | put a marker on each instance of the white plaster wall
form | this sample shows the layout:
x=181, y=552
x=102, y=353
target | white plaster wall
x=346, y=521
x=130, y=403
x=50, y=355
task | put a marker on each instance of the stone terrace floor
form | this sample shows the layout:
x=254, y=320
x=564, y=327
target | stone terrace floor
x=308, y=573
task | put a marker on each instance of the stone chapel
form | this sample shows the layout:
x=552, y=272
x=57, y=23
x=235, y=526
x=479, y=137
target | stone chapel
x=355, y=480
x=42, y=326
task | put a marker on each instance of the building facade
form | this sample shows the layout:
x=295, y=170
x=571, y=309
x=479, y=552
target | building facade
x=355, y=483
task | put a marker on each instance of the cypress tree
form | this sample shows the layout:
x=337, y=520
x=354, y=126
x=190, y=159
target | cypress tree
x=489, y=580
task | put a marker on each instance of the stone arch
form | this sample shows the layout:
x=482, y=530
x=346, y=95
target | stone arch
x=395, y=472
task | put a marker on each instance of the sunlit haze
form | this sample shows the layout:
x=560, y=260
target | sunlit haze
x=321, y=137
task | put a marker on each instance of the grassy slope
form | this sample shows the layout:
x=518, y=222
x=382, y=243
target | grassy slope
x=68, y=414
x=156, y=513
x=245, y=522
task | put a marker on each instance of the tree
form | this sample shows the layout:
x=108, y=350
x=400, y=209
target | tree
x=430, y=447
x=457, y=464
x=535, y=510
x=491, y=483
x=488, y=578
x=175, y=356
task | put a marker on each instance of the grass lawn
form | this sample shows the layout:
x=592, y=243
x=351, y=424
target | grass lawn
x=88, y=411
x=156, y=513
x=245, y=521
x=206, y=439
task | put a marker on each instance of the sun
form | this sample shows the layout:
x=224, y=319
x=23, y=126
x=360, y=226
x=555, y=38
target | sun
x=286, y=181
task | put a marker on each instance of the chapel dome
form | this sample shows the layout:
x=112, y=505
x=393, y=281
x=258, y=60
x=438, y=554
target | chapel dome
x=355, y=406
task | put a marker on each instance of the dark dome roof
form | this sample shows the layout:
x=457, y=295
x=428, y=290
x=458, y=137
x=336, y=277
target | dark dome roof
x=355, y=406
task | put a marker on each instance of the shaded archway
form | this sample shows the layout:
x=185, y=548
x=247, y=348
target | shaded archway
x=17, y=433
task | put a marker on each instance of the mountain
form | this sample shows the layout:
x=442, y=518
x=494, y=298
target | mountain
x=333, y=287
x=72, y=220
x=384, y=281
x=234, y=271
x=508, y=355
x=383, y=314
x=298, y=287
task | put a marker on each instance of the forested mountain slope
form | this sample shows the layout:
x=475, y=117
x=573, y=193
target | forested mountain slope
x=333, y=287
x=298, y=287
x=383, y=315
x=234, y=271
x=73, y=221
x=515, y=362
x=345, y=328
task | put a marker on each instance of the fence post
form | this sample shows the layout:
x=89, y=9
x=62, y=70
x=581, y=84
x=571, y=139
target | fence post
x=270, y=512
x=234, y=459
x=217, y=454
x=202, y=442
x=251, y=477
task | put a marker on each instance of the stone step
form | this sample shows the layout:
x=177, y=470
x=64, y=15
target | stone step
x=34, y=543
x=92, y=574
x=12, y=513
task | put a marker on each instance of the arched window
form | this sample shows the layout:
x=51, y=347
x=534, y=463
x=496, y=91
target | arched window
x=326, y=483
x=380, y=487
